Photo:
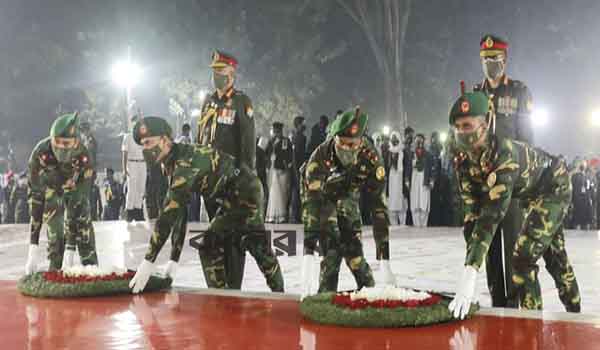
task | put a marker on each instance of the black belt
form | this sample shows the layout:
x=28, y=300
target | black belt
x=135, y=160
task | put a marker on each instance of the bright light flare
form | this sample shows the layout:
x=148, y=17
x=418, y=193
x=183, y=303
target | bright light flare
x=195, y=113
x=386, y=130
x=596, y=118
x=539, y=117
x=126, y=74
x=443, y=136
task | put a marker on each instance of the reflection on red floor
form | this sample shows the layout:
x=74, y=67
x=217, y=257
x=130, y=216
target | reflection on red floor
x=183, y=320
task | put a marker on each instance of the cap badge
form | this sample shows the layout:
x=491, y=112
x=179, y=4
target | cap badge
x=465, y=106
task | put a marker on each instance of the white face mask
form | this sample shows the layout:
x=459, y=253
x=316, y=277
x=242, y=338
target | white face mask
x=22, y=182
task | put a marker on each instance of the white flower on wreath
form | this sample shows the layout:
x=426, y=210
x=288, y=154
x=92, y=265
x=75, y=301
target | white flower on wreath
x=91, y=271
x=388, y=293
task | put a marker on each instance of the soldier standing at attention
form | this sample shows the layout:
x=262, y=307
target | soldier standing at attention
x=335, y=173
x=214, y=174
x=512, y=104
x=226, y=124
x=60, y=178
x=491, y=172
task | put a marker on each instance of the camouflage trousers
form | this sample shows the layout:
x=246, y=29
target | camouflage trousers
x=381, y=233
x=70, y=227
x=542, y=235
x=239, y=221
x=340, y=237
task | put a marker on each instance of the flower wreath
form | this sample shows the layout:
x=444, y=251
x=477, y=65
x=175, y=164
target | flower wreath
x=84, y=281
x=389, y=307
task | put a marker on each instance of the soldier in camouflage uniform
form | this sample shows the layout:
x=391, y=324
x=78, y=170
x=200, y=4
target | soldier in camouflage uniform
x=491, y=171
x=512, y=103
x=60, y=178
x=226, y=124
x=334, y=175
x=216, y=176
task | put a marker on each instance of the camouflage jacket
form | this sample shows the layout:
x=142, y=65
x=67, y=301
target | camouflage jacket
x=506, y=169
x=48, y=177
x=192, y=168
x=513, y=104
x=226, y=124
x=327, y=180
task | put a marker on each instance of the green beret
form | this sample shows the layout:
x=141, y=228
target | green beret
x=471, y=104
x=149, y=127
x=352, y=123
x=67, y=125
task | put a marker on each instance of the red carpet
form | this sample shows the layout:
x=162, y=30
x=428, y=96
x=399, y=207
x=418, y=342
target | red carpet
x=188, y=320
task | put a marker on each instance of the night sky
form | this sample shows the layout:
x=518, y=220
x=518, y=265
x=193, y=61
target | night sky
x=50, y=48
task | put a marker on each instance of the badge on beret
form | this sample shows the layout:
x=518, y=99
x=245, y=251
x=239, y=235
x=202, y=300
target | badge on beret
x=489, y=42
x=143, y=130
x=465, y=106
x=491, y=180
x=380, y=173
x=72, y=130
x=249, y=111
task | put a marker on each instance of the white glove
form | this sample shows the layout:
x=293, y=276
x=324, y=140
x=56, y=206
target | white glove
x=386, y=276
x=465, y=293
x=68, y=259
x=171, y=269
x=307, y=279
x=138, y=282
x=33, y=259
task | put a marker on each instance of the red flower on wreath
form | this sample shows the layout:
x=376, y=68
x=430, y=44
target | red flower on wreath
x=59, y=277
x=347, y=302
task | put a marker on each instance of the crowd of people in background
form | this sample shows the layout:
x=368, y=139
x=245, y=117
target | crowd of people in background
x=584, y=213
x=421, y=188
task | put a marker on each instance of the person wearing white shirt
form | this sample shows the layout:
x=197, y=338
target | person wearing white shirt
x=134, y=171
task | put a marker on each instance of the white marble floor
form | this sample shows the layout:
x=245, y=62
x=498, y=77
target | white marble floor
x=429, y=258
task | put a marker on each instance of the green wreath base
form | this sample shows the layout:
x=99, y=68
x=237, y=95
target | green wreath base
x=36, y=285
x=319, y=308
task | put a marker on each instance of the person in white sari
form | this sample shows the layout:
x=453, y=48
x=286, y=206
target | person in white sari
x=396, y=201
x=421, y=183
x=280, y=152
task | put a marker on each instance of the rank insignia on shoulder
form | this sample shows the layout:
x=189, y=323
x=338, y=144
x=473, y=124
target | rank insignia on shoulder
x=491, y=179
x=380, y=173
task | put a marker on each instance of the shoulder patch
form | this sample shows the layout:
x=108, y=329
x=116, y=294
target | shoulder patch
x=380, y=173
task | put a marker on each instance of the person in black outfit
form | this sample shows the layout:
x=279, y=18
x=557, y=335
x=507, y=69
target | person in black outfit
x=113, y=196
x=318, y=134
x=407, y=165
x=299, y=144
